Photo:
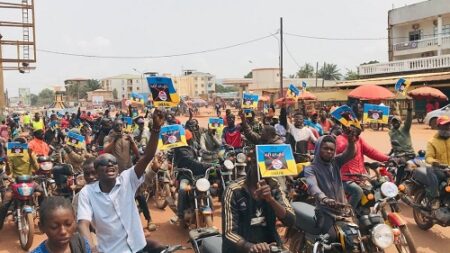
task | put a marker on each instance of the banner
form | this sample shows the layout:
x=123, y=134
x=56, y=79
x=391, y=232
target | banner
x=250, y=101
x=376, y=113
x=16, y=149
x=292, y=92
x=275, y=160
x=75, y=140
x=248, y=113
x=402, y=86
x=345, y=115
x=171, y=136
x=304, y=85
x=137, y=99
x=163, y=92
x=215, y=123
x=128, y=124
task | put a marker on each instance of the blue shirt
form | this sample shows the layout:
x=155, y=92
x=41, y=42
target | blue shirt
x=43, y=249
x=316, y=126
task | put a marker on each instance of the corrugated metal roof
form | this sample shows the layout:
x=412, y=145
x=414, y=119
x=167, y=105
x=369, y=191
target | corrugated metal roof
x=391, y=80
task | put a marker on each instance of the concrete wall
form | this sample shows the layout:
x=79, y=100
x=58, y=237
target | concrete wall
x=419, y=11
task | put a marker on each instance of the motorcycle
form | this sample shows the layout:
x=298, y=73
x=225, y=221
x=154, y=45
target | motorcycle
x=372, y=235
x=379, y=194
x=234, y=163
x=44, y=175
x=209, y=240
x=23, y=209
x=164, y=194
x=198, y=210
x=426, y=211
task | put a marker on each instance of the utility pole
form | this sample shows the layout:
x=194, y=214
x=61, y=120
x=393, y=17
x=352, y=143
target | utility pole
x=2, y=94
x=281, y=57
x=317, y=71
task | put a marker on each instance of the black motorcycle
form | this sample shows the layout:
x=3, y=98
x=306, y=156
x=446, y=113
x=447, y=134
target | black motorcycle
x=428, y=211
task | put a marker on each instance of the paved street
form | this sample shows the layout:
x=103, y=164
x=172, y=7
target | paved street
x=436, y=239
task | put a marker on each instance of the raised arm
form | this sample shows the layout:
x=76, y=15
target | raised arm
x=349, y=152
x=408, y=121
x=150, y=150
x=248, y=132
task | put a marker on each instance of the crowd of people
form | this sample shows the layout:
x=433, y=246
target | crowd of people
x=116, y=157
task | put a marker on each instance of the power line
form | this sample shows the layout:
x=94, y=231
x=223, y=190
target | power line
x=290, y=54
x=424, y=36
x=156, y=56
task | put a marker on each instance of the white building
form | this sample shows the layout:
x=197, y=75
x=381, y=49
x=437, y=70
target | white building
x=419, y=40
x=194, y=84
x=125, y=84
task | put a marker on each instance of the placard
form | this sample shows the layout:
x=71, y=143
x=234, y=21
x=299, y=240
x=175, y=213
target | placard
x=248, y=113
x=304, y=85
x=137, y=99
x=215, y=123
x=345, y=115
x=292, y=92
x=128, y=122
x=402, y=86
x=376, y=114
x=75, y=140
x=275, y=160
x=250, y=101
x=171, y=136
x=16, y=149
x=163, y=92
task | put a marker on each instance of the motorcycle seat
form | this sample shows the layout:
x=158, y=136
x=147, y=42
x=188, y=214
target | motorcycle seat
x=305, y=217
x=42, y=159
x=24, y=179
x=212, y=244
x=420, y=175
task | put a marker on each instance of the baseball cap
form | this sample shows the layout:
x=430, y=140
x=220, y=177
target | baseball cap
x=443, y=120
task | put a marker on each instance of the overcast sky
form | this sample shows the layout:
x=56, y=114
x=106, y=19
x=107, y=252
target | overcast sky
x=151, y=28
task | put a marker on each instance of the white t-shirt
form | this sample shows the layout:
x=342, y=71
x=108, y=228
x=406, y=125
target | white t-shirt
x=301, y=134
x=114, y=214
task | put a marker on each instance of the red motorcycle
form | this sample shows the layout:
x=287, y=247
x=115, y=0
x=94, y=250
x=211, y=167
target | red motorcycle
x=23, y=209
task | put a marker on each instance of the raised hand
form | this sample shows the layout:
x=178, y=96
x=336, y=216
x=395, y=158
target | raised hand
x=158, y=118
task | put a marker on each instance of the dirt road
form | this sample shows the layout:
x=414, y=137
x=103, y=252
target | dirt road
x=436, y=239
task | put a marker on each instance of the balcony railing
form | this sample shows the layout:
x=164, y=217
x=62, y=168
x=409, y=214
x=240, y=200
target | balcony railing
x=418, y=64
x=421, y=44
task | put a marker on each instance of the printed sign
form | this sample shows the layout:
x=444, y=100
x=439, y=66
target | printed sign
x=376, y=113
x=54, y=125
x=345, y=115
x=250, y=101
x=248, y=113
x=275, y=160
x=16, y=149
x=75, y=140
x=304, y=85
x=292, y=92
x=137, y=99
x=215, y=123
x=402, y=86
x=163, y=92
x=171, y=136
x=128, y=124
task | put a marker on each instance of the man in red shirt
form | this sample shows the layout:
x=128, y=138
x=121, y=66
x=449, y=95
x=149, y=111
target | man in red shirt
x=356, y=165
x=37, y=145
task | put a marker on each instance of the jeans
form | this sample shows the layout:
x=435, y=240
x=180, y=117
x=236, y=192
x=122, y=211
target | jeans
x=355, y=192
x=434, y=176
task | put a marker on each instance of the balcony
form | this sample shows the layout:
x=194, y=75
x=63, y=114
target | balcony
x=420, y=46
x=410, y=65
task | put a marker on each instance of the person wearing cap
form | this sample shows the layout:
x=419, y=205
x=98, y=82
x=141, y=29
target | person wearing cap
x=37, y=145
x=314, y=123
x=210, y=145
x=141, y=134
x=76, y=156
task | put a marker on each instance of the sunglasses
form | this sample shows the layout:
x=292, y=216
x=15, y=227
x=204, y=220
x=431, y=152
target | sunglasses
x=106, y=162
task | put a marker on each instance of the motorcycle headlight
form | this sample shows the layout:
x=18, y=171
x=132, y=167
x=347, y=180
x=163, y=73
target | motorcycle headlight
x=241, y=158
x=202, y=184
x=389, y=189
x=228, y=164
x=25, y=190
x=382, y=236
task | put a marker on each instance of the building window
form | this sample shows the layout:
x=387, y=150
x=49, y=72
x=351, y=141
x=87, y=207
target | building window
x=203, y=85
x=137, y=88
x=415, y=35
x=123, y=88
x=445, y=30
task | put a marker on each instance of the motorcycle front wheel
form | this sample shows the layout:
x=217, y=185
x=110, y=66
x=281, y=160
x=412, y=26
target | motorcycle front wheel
x=421, y=220
x=27, y=233
x=406, y=243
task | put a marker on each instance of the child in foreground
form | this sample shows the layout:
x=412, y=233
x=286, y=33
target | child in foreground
x=58, y=222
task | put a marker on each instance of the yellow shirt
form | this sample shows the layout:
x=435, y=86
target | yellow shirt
x=438, y=150
x=38, y=125
x=26, y=119
x=21, y=165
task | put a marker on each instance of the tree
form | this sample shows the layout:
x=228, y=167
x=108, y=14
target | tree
x=249, y=75
x=351, y=75
x=93, y=84
x=291, y=76
x=221, y=88
x=115, y=93
x=306, y=71
x=329, y=72
x=46, y=97
x=34, y=99
x=370, y=62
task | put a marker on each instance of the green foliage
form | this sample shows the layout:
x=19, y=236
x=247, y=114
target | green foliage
x=370, y=62
x=45, y=97
x=351, y=75
x=78, y=90
x=249, y=75
x=221, y=88
x=329, y=72
x=34, y=99
x=306, y=71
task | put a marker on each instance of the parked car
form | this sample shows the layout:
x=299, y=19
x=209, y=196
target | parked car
x=432, y=116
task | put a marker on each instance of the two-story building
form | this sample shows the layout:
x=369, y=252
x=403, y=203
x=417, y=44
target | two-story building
x=194, y=84
x=418, y=40
x=124, y=85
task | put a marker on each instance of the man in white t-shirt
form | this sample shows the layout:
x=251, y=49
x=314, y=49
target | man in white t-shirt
x=109, y=203
x=299, y=132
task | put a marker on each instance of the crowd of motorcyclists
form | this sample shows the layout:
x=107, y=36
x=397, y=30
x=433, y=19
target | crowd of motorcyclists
x=116, y=158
